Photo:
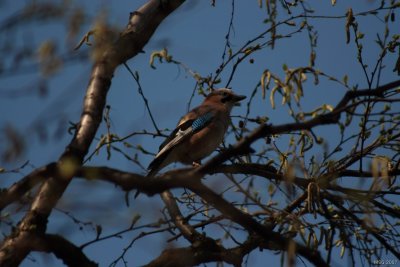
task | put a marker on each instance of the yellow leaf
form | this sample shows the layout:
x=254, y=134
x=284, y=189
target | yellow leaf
x=349, y=21
x=342, y=251
x=345, y=79
x=271, y=97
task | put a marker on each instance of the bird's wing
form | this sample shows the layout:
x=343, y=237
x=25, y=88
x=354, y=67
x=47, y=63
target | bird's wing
x=188, y=125
x=182, y=126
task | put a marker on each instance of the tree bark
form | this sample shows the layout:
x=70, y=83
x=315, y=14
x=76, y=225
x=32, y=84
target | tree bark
x=142, y=25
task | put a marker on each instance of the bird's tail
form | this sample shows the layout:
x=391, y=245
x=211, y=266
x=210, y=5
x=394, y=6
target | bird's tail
x=151, y=173
x=157, y=164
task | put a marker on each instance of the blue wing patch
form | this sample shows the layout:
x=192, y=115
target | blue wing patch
x=201, y=121
x=179, y=135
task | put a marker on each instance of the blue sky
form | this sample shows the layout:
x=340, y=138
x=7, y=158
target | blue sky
x=194, y=35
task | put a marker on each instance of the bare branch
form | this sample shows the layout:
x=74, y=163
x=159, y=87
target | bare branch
x=264, y=130
x=63, y=249
x=190, y=179
x=182, y=257
x=142, y=25
x=368, y=228
x=179, y=220
x=20, y=188
x=204, y=253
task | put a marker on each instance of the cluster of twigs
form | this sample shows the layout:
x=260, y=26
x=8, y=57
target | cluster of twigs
x=320, y=212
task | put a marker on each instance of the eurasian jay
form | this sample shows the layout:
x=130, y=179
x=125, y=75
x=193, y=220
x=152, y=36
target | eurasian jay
x=198, y=133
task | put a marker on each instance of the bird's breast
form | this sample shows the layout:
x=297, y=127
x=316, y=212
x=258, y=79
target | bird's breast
x=203, y=143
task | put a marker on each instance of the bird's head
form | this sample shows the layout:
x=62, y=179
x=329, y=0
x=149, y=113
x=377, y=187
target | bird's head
x=225, y=97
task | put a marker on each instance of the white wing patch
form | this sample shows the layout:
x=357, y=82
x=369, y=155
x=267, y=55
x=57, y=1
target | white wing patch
x=178, y=137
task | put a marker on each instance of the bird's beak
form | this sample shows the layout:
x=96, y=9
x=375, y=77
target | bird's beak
x=238, y=98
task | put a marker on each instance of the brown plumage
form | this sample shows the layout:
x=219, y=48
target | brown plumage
x=199, y=132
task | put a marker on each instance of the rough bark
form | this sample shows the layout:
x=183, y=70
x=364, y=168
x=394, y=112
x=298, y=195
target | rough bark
x=141, y=26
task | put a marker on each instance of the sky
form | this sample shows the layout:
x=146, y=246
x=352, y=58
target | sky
x=193, y=35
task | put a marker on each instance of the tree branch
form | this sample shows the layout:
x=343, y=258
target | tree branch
x=190, y=179
x=142, y=25
x=179, y=220
x=265, y=129
x=366, y=227
x=130, y=181
x=63, y=249
x=190, y=256
x=20, y=188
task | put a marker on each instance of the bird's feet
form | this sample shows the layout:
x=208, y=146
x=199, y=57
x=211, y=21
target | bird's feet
x=196, y=164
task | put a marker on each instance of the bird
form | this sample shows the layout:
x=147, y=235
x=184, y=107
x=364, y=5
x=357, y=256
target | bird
x=199, y=132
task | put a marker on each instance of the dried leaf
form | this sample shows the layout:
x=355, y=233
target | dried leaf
x=162, y=54
x=272, y=96
x=345, y=79
x=265, y=80
x=349, y=22
x=397, y=66
x=99, y=229
x=342, y=251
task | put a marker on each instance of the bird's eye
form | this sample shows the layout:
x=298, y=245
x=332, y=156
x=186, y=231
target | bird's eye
x=225, y=97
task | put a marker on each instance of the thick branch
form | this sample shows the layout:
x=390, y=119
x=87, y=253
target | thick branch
x=265, y=130
x=141, y=27
x=138, y=32
x=183, y=257
x=193, y=256
x=63, y=249
x=176, y=178
x=179, y=220
x=190, y=179
x=20, y=188
x=130, y=181
x=357, y=173
x=70, y=254
x=366, y=227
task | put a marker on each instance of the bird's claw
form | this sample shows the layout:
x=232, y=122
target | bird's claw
x=196, y=164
